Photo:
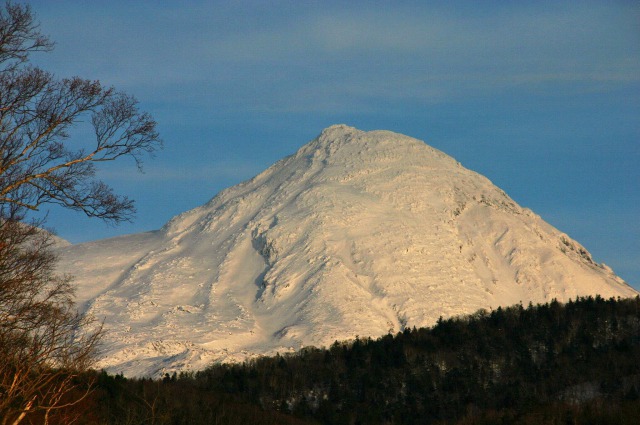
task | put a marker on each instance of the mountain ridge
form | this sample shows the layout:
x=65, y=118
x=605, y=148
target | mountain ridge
x=357, y=233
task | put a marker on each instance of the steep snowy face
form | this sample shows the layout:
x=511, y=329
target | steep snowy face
x=358, y=233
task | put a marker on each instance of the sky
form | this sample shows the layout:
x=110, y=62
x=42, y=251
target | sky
x=543, y=97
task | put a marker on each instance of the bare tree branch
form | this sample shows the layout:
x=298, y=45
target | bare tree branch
x=44, y=342
x=37, y=114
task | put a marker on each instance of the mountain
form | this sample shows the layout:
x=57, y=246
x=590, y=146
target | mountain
x=357, y=233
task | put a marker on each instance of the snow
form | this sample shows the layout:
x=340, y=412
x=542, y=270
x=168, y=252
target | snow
x=357, y=233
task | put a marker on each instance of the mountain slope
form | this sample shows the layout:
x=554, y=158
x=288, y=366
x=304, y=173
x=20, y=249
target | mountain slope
x=358, y=233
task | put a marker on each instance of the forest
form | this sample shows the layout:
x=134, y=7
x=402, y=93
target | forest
x=573, y=363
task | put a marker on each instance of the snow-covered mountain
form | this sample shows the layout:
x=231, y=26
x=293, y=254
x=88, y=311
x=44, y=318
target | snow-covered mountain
x=357, y=233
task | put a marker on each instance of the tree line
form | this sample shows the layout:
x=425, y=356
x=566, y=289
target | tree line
x=551, y=363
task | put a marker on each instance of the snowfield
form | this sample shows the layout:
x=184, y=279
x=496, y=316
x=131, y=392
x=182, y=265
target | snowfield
x=357, y=233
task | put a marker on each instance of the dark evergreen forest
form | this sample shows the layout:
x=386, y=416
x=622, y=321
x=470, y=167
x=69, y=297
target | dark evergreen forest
x=574, y=363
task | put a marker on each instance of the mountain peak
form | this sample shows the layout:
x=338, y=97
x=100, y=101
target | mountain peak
x=350, y=148
x=357, y=233
x=337, y=130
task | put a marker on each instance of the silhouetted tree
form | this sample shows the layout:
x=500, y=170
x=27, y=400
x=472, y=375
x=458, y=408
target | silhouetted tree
x=43, y=340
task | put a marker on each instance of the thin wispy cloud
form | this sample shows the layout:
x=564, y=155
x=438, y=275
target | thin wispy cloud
x=365, y=52
x=181, y=174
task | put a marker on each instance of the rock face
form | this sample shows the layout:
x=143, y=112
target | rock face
x=357, y=233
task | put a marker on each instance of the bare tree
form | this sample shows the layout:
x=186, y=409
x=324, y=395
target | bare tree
x=44, y=341
x=37, y=112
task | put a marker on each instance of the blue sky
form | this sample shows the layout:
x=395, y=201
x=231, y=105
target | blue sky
x=543, y=98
